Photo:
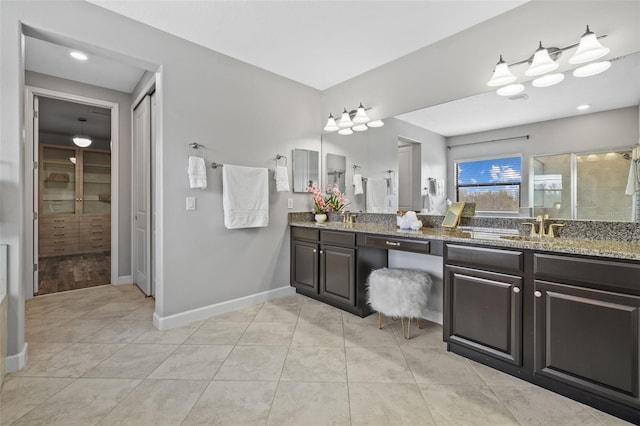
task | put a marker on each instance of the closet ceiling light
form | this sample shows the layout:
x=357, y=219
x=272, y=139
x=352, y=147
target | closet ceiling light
x=592, y=69
x=81, y=139
x=589, y=49
x=78, y=55
x=350, y=121
x=548, y=80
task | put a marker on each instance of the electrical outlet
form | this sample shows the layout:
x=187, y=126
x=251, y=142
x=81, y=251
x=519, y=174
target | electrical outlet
x=289, y=203
x=191, y=203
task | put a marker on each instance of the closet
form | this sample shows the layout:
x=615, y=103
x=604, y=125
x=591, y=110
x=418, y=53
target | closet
x=74, y=200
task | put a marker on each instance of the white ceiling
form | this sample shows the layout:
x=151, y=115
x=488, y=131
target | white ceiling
x=319, y=43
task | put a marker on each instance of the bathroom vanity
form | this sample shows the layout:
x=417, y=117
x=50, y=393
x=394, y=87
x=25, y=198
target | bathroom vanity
x=530, y=308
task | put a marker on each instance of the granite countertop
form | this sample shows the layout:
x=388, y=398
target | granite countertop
x=493, y=237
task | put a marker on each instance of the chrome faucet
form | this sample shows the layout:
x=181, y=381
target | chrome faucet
x=550, y=232
x=540, y=229
x=346, y=217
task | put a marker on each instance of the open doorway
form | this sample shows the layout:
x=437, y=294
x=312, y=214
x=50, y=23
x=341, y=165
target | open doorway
x=73, y=195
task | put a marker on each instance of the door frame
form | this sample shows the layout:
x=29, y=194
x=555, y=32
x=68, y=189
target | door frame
x=30, y=185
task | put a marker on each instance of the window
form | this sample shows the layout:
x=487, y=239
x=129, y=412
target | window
x=494, y=184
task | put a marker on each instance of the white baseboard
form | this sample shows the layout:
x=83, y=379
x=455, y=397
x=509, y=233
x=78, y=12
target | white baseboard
x=183, y=318
x=125, y=280
x=18, y=361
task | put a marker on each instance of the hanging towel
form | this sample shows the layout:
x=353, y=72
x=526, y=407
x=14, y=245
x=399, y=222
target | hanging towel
x=197, y=172
x=281, y=176
x=245, y=196
x=377, y=195
x=633, y=181
x=357, y=184
x=392, y=184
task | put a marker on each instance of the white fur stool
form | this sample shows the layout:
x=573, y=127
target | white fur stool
x=399, y=293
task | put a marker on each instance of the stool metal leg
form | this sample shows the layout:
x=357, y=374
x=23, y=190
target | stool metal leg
x=408, y=329
x=419, y=323
x=379, y=320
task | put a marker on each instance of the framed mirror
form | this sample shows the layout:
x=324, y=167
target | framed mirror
x=306, y=169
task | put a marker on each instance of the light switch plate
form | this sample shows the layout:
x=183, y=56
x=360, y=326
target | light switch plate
x=191, y=203
x=289, y=203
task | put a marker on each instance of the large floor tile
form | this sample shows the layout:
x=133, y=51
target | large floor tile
x=218, y=333
x=388, y=404
x=270, y=312
x=157, y=402
x=257, y=363
x=429, y=336
x=383, y=364
x=69, y=332
x=134, y=361
x=268, y=333
x=21, y=394
x=39, y=352
x=119, y=332
x=320, y=312
x=174, y=336
x=194, y=362
x=366, y=333
x=310, y=404
x=143, y=313
x=83, y=402
x=315, y=364
x=538, y=406
x=434, y=366
x=73, y=361
x=604, y=418
x=466, y=405
x=233, y=403
x=241, y=315
x=318, y=334
x=493, y=377
x=113, y=310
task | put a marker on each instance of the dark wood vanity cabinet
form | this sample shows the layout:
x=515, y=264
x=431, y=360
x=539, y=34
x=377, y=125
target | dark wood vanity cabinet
x=323, y=265
x=587, y=325
x=482, y=304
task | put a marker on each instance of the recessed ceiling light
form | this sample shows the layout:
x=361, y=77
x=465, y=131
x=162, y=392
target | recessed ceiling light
x=78, y=55
x=583, y=107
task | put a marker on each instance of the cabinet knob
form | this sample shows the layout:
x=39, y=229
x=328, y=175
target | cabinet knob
x=537, y=293
x=516, y=290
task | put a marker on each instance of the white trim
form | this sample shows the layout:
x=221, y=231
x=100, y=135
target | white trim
x=128, y=279
x=183, y=318
x=31, y=92
x=18, y=361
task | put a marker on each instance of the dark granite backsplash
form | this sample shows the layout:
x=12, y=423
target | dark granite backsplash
x=590, y=229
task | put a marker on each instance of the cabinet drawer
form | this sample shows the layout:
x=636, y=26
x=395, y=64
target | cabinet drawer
x=501, y=260
x=88, y=219
x=336, y=237
x=58, y=249
x=98, y=226
x=392, y=243
x=588, y=271
x=45, y=234
x=57, y=220
x=95, y=245
x=305, y=233
x=58, y=227
x=47, y=242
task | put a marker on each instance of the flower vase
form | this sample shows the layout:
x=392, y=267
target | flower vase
x=320, y=218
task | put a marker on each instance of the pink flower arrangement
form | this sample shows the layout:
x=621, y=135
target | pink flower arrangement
x=334, y=202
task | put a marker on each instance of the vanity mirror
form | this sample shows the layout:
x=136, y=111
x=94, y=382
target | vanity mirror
x=305, y=169
x=538, y=122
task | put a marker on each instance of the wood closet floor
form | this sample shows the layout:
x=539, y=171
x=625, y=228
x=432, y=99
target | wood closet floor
x=62, y=273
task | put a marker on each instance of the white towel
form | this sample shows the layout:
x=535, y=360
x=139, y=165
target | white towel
x=245, y=196
x=357, y=184
x=281, y=176
x=377, y=195
x=392, y=184
x=197, y=172
x=633, y=181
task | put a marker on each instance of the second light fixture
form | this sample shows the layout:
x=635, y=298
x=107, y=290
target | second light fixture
x=350, y=121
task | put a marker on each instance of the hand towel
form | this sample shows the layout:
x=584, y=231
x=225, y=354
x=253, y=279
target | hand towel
x=377, y=195
x=197, y=172
x=281, y=176
x=357, y=184
x=392, y=184
x=245, y=196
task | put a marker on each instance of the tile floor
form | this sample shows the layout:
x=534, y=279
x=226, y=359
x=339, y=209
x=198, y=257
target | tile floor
x=95, y=358
x=62, y=273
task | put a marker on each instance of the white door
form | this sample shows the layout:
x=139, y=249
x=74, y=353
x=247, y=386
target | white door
x=36, y=188
x=405, y=180
x=141, y=252
x=154, y=133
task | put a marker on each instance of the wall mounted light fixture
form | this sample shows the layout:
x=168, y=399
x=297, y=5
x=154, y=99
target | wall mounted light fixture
x=545, y=60
x=355, y=120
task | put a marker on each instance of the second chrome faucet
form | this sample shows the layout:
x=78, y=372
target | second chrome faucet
x=541, y=228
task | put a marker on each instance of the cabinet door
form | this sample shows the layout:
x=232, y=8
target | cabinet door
x=58, y=185
x=304, y=265
x=96, y=182
x=483, y=311
x=588, y=338
x=338, y=274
